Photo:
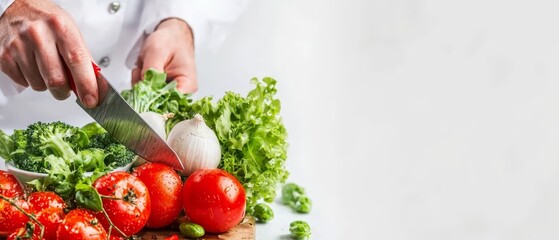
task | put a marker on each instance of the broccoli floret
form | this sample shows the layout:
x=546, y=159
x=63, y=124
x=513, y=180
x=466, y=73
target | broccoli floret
x=300, y=230
x=20, y=139
x=118, y=155
x=101, y=141
x=263, y=213
x=294, y=196
x=55, y=138
x=26, y=161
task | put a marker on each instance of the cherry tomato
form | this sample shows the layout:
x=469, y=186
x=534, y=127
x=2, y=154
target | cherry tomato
x=25, y=233
x=42, y=200
x=11, y=218
x=164, y=187
x=81, y=224
x=51, y=218
x=214, y=199
x=9, y=186
x=130, y=212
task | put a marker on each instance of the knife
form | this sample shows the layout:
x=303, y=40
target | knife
x=124, y=124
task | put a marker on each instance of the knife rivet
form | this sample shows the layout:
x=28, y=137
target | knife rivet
x=114, y=7
x=105, y=62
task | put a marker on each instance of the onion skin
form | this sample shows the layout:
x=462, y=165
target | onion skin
x=156, y=121
x=196, y=145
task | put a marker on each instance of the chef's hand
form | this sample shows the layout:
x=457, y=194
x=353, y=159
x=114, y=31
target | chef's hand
x=169, y=48
x=36, y=39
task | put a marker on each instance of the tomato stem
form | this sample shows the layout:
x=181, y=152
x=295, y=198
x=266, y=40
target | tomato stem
x=110, y=230
x=110, y=197
x=30, y=216
x=112, y=224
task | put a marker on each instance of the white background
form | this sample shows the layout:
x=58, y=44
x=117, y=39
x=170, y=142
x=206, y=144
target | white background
x=411, y=119
x=407, y=119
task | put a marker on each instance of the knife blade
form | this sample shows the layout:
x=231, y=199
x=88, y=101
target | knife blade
x=124, y=124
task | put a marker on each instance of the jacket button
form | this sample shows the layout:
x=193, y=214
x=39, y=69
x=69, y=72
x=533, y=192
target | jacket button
x=114, y=7
x=105, y=62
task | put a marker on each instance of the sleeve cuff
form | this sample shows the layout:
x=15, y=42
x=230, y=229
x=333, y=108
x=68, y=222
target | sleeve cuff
x=5, y=4
x=188, y=11
x=8, y=88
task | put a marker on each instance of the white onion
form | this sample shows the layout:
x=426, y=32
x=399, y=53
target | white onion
x=157, y=122
x=196, y=144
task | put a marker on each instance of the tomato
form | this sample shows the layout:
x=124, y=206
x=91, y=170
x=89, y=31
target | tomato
x=43, y=200
x=81, y=224
x=174, y=237
x=164, y=187
x=25, y=233
x=11, y=218
x=131, y=211
x=51, y=218
x=214, y=199
x=9, y=186
x=49, y=210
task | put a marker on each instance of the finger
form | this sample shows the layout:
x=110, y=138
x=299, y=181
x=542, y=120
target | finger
x=51, y=68
x=186, y=84
x=154, y=58
x=10, y=68
x=77, y=58
x=136, y=76
x=28, y=66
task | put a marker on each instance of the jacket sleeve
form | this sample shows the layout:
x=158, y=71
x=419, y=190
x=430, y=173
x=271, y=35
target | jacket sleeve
x=210, y=20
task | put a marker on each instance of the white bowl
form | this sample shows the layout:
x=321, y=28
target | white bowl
x=26, y=176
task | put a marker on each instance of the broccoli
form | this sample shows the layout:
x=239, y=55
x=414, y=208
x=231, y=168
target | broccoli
x=26, y=161
x=101, y=141
x=294, y=196
x=118, y=155
x=55, y=138
x=300, y=230
x=19, y=137
x=263, y=213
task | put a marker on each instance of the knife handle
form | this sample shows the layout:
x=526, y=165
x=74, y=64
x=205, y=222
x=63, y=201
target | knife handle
x=71, y=82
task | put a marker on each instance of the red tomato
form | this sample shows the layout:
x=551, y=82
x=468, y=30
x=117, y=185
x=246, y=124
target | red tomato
x=214, y=199
x=51, y=218
x=9, y=186
x=22, y=233
x=81, y=224
x=164, y=187
x=11, y=218
x=174, y=237
x=43, y=200
x=131, y=211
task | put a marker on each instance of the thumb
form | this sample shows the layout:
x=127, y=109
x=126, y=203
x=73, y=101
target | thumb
x=136, y=75
x=186, y=84
x=154, y=59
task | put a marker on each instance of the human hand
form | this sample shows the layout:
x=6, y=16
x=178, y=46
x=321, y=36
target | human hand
x=37, y=38
x=169, y=48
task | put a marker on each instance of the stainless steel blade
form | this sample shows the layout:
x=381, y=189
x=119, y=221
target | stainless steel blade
x=126, y=126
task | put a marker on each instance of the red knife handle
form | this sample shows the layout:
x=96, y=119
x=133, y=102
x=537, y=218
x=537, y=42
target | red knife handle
x=71, y=82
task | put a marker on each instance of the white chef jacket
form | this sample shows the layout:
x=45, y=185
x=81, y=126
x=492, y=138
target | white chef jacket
x=114, y=32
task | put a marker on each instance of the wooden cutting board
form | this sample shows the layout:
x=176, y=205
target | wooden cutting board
x=244, y=231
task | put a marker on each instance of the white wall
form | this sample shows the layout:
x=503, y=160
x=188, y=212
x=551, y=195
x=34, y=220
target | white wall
x=411, y=119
